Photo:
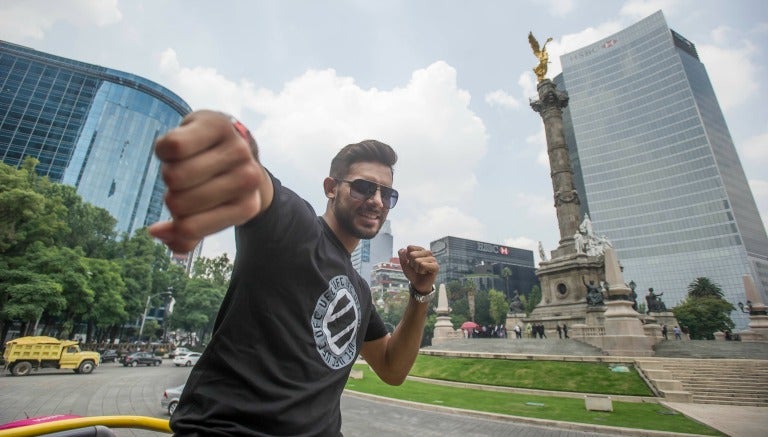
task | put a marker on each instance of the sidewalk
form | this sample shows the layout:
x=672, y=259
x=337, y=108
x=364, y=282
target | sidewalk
x=735, y=421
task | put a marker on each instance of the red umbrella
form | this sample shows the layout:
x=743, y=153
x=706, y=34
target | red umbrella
x=469, y=325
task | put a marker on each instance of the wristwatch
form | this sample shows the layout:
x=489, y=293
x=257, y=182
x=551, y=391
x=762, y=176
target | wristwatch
x=420, y=297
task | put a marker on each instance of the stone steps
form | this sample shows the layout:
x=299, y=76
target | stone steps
x=711, y=349
x=709, y=381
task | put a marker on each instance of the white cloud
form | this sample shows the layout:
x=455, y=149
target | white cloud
x=639, y=9
x=732, y=71
x=760, y=191
x=527, y=82
x=558, y=8
x=501, y=98
x=440, y=222
x=30, y=19
x=574, y=41
x=439, y=140
x=539, y=139
x=534, y=207
x=755, y=150
x=206, y=88
x=525, y=243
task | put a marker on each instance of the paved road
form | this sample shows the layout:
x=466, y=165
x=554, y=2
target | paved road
x=116, y=390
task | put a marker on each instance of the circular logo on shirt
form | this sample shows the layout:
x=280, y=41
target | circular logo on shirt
x=335, y=323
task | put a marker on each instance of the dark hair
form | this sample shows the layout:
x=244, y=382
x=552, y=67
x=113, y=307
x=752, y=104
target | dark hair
x=364, y=151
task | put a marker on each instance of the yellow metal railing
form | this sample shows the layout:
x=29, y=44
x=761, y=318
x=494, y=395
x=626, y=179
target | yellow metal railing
x=140, y=422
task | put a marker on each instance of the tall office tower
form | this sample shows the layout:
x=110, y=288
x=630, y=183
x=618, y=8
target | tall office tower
x=368, y=253
x=656, y=167
x=90, y=127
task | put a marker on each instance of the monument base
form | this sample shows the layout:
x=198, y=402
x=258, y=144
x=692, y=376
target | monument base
x=664, y=318
x=757, y=331
x=624, y=332
x=512, y=320
x=444, y=331
x=563, y=294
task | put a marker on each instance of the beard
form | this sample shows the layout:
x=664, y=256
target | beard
x=345, y=215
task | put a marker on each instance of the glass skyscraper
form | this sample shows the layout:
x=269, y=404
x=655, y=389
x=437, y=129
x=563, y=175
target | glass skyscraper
x=377, y=250
x=656, y=167
x=90, y=127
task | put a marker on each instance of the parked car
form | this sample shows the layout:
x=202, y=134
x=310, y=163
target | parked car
x=170, y=399
x=109, y=356
x=143, y=358
x=188, y=359
x=178, y=351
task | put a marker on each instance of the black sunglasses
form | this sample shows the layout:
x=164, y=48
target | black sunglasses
x=360, y=189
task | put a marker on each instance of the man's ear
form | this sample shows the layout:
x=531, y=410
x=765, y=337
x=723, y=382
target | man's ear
x=329, y=186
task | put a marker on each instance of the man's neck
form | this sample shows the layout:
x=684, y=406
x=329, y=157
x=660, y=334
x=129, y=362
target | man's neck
x=349, y=242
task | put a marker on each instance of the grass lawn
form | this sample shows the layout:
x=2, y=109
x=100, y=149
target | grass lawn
x=625, y=414
x=542, y=375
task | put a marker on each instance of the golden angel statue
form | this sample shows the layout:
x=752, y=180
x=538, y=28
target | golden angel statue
x=541, y=69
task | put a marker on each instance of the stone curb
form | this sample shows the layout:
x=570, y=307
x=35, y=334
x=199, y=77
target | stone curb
x=574, y=426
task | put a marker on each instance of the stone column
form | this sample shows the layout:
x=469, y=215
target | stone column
x=443, y=327
x=758, y=314
x=549, y=106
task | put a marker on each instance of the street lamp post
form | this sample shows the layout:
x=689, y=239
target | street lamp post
x=146, y=309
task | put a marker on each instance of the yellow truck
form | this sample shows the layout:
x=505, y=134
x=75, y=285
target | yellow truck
x=26, y=353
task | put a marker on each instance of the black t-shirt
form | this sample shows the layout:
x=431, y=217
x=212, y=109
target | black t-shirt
x=288, y=331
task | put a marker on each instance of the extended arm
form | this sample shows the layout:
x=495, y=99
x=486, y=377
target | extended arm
x=213, y=177
x=392, y=356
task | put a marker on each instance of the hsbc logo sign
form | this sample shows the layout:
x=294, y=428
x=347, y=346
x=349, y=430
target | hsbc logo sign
x=336, y=323
x=492, y=248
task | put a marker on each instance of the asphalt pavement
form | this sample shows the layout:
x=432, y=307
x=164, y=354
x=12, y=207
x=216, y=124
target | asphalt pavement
x=116, y=390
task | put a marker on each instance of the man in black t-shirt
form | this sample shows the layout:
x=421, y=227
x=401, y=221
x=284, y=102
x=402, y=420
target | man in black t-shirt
x=296, y=314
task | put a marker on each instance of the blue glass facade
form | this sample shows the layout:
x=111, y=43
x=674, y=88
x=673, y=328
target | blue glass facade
x=656, y=166
x=90, y=127
x=377, y=250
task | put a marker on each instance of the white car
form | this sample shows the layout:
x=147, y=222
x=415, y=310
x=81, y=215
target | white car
x=188, y=359
x=178, y=351
x=170, y=399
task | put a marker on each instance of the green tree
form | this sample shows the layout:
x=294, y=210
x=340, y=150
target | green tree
x=498, y=307
x=90, y=228
x=482, y=308
x=533, y=299
x=704, y=287
x=506, y=272
x=217, y=270
x=704, y=311
x=146, y=270
x=107, y=313
x=197, y=305
x=26, y=214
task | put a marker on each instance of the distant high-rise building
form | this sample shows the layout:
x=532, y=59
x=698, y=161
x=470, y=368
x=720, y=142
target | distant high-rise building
x=388, y=277
x=368, y=253
x=655, y=165
x=489, y=265
x=90, y=127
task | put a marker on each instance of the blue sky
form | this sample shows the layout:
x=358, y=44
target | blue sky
x=445, y=82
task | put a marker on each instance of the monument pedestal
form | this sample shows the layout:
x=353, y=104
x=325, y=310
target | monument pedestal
x=444, y=331
x=664, y=318
x=758, y=329
x=512, y=320
x=596, y=316
x=563, y=295
x=624, y=333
